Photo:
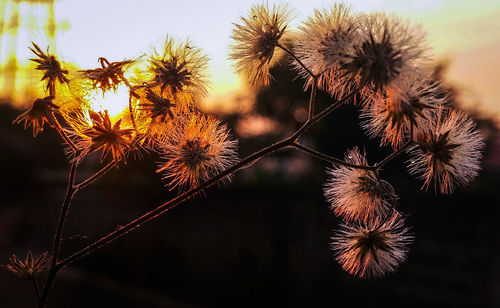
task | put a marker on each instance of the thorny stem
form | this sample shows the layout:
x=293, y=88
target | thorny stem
x=95, y=176
x=174, y=202
x=70, y=191
x=60, y=130
x=297, y=59
x=329, y=158
x=398, y=151
x=287, y=142
x=63, y=135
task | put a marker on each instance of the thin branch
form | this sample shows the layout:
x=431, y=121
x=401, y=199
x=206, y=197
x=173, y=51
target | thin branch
x=95, y=176
x=312, y=99
x=397, y=152
x=63, y=134
x=330, y=158
x=305, y=127
x=296, y=59
x=70, y=191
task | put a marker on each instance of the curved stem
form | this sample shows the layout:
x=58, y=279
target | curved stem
x=312, y=99
x=70, y=191
x=330, y=158
x=95, y=176
x=296, y=59
x=397, y=152
x=63, y=135
x=173, y=202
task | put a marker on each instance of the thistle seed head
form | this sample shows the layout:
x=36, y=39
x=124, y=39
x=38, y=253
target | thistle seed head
x=372, y=249
x=255, y=41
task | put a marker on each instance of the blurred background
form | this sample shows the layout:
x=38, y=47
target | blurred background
x=264, y=239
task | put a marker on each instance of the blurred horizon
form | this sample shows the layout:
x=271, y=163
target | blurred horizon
x=461, y=33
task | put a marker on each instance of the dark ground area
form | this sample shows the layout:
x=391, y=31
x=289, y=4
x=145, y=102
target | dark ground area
x=261, y=241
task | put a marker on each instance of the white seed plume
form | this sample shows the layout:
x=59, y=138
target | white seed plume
x=393, y=112
x=322, y=43
x=448, y=152
x=357, y=194
x=373, y=249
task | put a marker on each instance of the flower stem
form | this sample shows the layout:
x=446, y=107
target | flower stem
x=296, y=59
x=95, y=176
x=330, y=158
x=70, y=191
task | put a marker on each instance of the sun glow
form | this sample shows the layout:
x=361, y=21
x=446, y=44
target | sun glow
x=115, y=102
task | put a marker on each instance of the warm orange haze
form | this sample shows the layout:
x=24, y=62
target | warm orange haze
x=465, y=33
x=154, y=154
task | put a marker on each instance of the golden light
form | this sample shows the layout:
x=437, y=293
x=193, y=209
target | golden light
x=115, y=102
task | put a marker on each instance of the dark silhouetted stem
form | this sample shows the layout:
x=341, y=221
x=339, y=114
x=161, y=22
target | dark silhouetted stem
x=70, y=191
x=95, y=176
x=296, y=59
x=330, y=158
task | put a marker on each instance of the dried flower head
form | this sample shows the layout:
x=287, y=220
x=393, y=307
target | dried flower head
x=39, y=114
x=30, y=267
x=373, y=249
x=111, y=138
x=322, y=44
x=50, y=66
x=156, y=112
x=393, y=112
x=198, y=148
x=109, y=76
x=357, y=194
x=179, y=67
x=390, y=51
x=447, y=152
x=255, y=41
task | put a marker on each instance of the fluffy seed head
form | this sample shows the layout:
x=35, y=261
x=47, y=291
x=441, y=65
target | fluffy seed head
x=39, y=114
x=198, y=148
x=448, y=152
x=356, y=194
x=179, y=67
x=390, y=51
x=373, y=249
x=156, y=112
x=255, y=41
x=393, y=112
x=322, y=43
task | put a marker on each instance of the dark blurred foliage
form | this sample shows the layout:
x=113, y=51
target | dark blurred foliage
x=261, y=241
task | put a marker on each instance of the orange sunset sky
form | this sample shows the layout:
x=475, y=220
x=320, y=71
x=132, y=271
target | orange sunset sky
x=467, y=33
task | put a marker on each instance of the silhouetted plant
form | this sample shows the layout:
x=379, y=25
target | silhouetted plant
x=375, y=61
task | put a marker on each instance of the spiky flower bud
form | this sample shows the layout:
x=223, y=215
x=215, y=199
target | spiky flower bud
x=179, y=67
x=50, y=67
x=39, y=114
x=109, y=76
x=447, y=152
x=198, y=148
x=28, y=269
x=372, y=249
x=105, y=135
x=255, y=41
x=357, y=194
